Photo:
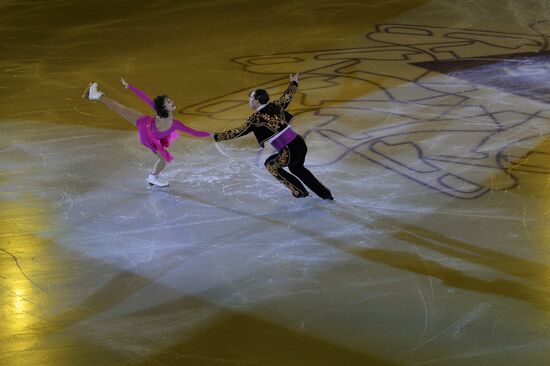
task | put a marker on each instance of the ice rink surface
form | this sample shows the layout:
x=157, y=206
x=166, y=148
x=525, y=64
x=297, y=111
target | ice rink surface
x=428, y=120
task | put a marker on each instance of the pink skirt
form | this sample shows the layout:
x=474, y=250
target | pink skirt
x=147, y=139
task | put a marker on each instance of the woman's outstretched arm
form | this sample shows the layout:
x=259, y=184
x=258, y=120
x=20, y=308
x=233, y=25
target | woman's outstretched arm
x=139, y=93
x=181, y=127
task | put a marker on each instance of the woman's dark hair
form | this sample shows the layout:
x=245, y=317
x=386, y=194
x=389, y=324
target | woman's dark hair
x=159, y=106
x=261, y=96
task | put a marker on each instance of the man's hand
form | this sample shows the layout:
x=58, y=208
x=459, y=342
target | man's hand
x=294, y=77
x=124, y=83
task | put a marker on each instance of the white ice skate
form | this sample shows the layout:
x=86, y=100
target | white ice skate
x=154, y=180
x=91, y=92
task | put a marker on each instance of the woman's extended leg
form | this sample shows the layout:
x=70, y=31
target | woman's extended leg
x=131, y=115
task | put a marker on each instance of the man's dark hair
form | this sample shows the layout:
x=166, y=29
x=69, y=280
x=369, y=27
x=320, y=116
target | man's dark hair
x=261, y=96
x=159, y=106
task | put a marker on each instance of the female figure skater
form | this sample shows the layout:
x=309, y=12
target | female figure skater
x=155, y=133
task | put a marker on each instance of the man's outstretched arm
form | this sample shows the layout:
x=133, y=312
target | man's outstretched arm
x=289, y=93
x=235, y=132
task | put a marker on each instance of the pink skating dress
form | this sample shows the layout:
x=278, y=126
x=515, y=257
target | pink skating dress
x=155, y=140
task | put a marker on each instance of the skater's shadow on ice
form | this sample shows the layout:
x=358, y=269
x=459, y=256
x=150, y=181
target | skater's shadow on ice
x=414, y=262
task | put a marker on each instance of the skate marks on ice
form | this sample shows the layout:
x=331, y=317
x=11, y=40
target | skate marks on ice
x=421, y=103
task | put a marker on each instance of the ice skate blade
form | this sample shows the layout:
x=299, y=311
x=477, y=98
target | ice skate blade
x=154, y=185
x=86, y=91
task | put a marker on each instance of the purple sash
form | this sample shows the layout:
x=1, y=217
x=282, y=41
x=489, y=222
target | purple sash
x=284, y=139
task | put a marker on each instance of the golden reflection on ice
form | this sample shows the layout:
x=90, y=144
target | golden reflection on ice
x=22, y=222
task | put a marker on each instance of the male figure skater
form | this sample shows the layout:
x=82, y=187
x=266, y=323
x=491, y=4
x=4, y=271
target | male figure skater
x=270, y=122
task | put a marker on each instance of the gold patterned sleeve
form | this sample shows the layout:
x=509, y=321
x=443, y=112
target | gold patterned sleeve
x=287, y=96
x=236, y=132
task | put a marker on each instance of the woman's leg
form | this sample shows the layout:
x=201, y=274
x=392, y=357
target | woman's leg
x=131, y=115
x=160, y=164
x=153, y=178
